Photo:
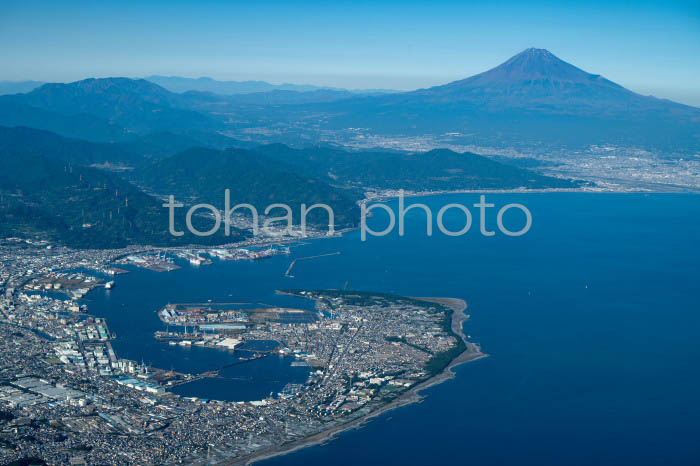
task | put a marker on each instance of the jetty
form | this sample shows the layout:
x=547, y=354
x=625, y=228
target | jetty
x=288, y=273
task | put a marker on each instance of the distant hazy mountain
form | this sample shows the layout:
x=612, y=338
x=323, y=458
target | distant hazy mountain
x=204, y=84
x=18, y=87
x=537, y=80
x=533, y=96
x=83, y=126
x=280, y=97
x=135, y=105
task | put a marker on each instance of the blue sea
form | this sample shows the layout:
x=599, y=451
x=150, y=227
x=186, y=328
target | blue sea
x=591, y=321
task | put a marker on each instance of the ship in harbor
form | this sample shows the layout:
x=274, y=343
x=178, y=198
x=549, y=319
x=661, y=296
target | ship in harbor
x=177, y=336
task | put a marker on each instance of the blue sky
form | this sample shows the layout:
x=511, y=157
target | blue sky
x=649, y=47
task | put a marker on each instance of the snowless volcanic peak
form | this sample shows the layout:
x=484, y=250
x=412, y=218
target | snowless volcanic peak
x=532, y=65
x=535, y=64
x=532, y=77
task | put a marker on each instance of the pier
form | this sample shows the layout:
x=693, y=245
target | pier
x=288, y=273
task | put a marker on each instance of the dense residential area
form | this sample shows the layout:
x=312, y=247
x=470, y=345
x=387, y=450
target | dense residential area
x=67, y=397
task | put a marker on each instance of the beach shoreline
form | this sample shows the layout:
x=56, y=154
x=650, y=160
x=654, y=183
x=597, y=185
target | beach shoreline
x=412, y=395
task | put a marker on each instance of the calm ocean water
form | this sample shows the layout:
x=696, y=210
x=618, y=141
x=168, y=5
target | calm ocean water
x=591, y=319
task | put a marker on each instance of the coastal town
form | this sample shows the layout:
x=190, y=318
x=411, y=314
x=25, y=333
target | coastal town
x=66, y=396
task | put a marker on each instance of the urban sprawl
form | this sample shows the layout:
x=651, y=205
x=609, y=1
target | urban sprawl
x=66, y=397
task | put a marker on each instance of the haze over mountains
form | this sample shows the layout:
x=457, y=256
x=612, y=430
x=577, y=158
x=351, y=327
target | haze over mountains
x=534, y=97
x=205, y=84
x=18, y=87
x=195, y=144
x=134, y=105
x=180, y=85
x=535, y=79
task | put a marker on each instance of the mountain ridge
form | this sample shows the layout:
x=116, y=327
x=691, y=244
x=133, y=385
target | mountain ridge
x=203, y=174
x=533, y=97
x=135, y=105
x=181, y=84
x=81, y=207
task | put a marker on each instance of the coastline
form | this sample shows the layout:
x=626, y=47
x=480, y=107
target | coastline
x=472, y=352
x=387, y=195
x=599, y=187
x=412, y=395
